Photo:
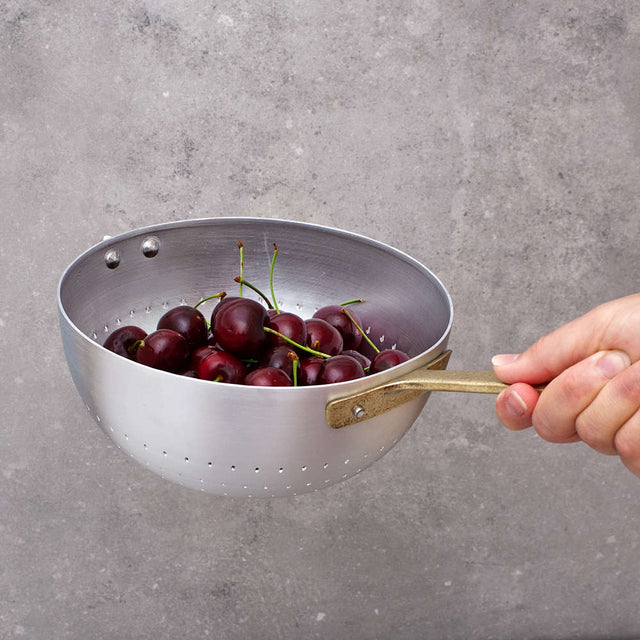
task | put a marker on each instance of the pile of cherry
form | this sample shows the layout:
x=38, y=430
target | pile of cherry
x=248, y=343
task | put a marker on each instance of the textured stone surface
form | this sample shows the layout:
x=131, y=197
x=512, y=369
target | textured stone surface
x=495, y=142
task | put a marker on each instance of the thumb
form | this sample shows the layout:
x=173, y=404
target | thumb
x=556, y=351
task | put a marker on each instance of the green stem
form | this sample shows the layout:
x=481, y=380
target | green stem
x=273, y=261
x=295, y=361
x=134, y=347
x=241, y=247
x=364, y=335
x=296, y=344
x=217, y=379
x=344, y=304
x=296, y=364
x=241, y=281
x=220, y=295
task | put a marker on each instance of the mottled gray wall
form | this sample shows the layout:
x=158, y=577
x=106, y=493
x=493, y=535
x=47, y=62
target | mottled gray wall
x=497, y=142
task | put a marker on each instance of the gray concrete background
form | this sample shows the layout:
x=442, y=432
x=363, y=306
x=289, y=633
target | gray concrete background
x=497, y=142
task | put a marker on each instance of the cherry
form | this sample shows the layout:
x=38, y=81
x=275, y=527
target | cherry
x=189, y=322
x=268, y=377
x=288, y=324
x=164, y=349
x=223, y=301
x=239, y=327
x=335, y=316
x=199, y=354
x=323, y=337
x=122, y=341
x=281, y=357
x=189, y=373
x=361, y=358
x=340, y=368
x=222, y=366
x=310, y=370
x=387, y=359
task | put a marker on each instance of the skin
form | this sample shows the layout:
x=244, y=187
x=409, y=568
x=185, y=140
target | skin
x=592, y=369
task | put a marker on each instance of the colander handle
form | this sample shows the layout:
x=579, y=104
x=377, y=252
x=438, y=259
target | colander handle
x=432, y=377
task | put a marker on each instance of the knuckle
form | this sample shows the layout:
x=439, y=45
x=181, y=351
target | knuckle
x=572, y=386
x=627, y=441
x=592, y=434
x=545, y=426
x=628, y=385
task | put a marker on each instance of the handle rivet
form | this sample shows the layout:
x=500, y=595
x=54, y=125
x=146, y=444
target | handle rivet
x=358, y=412
x=112, y=258
x=150, y=247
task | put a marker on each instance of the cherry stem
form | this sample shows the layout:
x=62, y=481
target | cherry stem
x=220, y=295
x=364, y=335
x=134, y=347
x=344, y=304
x=243, y=281
x=273, y=261
x=296, y=363
x=296, y=344
x=241, y=247
x=217, y=379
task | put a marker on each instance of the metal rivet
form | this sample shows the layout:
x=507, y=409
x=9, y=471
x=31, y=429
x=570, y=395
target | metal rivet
x=112, y=258
x=150, y=247
x=358, y=411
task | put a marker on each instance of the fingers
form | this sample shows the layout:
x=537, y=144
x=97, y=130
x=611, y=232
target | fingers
x=569, y=409
x=627, y=443
x=515, y=406
x=610, y=424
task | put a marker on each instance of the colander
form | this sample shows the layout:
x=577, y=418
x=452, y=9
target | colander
x=239, y=440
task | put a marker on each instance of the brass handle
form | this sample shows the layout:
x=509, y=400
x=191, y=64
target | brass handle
x=432, y=377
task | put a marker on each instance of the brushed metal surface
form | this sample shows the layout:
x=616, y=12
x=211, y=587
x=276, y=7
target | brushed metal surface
x=231, y=439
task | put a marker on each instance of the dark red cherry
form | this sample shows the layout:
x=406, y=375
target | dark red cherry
x=334, y=314
x=361, y=358
x=222, y=366
x=289, y=325
x=189, y=373
x=122, y=340
x=280, y=358
x=310, y=370
x=387, y=359
x=198, y=355
x=268, y=377
x=239, y=327
x=164, y=349
x=323, y=337
x=220, y=305
x=340, y=369
x=187, y=321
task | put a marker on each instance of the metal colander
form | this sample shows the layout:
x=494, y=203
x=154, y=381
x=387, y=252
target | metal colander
x=231, y=439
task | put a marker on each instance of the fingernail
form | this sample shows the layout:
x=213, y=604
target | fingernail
x=504, y=358
x=515, y=404
x=613, y=363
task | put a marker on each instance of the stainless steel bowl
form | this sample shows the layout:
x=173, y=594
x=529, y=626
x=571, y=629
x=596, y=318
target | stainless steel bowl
x=230, y=439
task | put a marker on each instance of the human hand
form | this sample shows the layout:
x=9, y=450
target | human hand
x=592, y=368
